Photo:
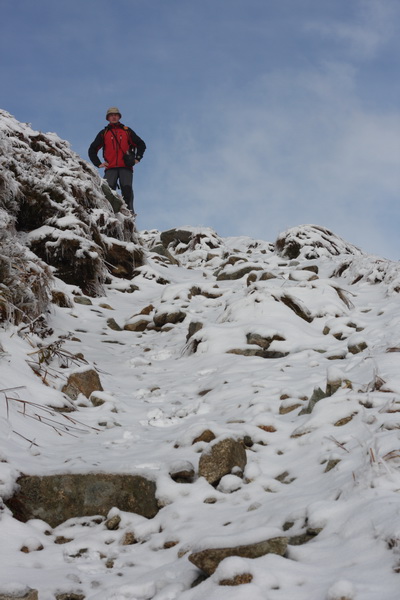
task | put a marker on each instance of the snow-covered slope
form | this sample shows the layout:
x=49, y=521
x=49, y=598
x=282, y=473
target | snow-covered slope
x=289, y=348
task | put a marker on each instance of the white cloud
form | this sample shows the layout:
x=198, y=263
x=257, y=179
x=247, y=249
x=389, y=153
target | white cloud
x=371, y=27
x=296, y=148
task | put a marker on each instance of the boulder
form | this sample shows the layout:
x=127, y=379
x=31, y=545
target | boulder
x=82, y=382
x=56, y=498
x=220, y=458
x=208, y=560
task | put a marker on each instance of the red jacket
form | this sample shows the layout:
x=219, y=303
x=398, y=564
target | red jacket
x=116, y=140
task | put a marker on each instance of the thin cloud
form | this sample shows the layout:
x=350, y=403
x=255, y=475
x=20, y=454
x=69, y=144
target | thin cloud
x=322, y=159
x=371, y=27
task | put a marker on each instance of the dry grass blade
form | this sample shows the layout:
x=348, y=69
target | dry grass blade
x=340, y=444
x=60, y=423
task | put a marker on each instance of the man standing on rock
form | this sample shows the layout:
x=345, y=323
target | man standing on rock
x=122, y=149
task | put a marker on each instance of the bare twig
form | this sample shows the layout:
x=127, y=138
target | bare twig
x=45, y=416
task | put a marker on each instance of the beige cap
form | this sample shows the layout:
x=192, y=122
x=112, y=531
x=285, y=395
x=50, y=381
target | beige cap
x=113, y=110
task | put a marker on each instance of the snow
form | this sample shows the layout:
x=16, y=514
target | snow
x=154, y=408
x=334, y=471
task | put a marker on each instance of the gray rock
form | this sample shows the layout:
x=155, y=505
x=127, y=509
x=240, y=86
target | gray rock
x=260, y=353
x=162, y=318
x=331, y=464
x=233, y=275
x=239, y=579
x=182, y=472
x=254, y=339
x=357, y=348
x=61, y=299
x=122, y=260
x=317, y=395
x=82, y=382
x=209, y=559
x=267, y=275
x=220, y=458
x=140, y=324
x=24, y=594
x=83, y=300
x=246, y=352
x=113, y=523
x=162, y=251
x=303, y=538
x=114, y=199
x=70, y=596
x=194, y=327
x=335, y=382
x=206, y=436
x=56, y=498
x=297, y=306
x=175, y=235
x=97, y=400
x=112, y=324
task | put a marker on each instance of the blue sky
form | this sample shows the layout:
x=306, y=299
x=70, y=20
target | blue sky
x=259, y=115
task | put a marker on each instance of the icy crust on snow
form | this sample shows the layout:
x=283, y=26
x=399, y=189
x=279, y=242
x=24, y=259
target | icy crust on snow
x=324, y=473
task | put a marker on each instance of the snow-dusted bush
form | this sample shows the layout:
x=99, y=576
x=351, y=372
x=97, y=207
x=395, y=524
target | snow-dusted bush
x=24, y=280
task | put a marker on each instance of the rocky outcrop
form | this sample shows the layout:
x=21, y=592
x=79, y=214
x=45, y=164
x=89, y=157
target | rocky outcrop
x=56, y=498
x=56, y=198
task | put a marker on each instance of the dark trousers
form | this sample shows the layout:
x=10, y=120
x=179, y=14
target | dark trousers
x=125, y=177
